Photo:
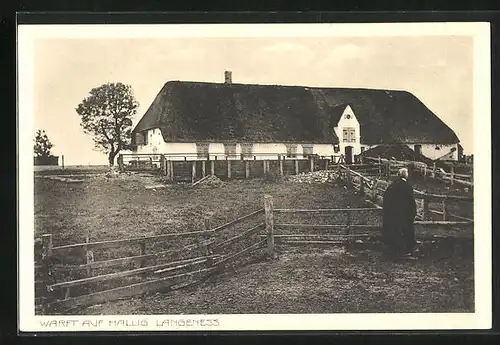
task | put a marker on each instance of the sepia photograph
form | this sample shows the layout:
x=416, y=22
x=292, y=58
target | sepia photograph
x=254, y=176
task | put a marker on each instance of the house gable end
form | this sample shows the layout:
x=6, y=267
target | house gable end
x=348, y=118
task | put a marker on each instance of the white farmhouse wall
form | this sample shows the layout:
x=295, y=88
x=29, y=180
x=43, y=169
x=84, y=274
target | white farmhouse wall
x=352, y=122
x=271, y=150
x=260, y=150
x=217, y=150
x=324, y=150
x=177, y=151
x=155, y=143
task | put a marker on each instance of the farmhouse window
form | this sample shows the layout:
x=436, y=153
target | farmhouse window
x=349, y=135
x=141, y=138
x=247, y=150
x=291, y=151
x=230, y=150
x=308, y=150
x=202, y=150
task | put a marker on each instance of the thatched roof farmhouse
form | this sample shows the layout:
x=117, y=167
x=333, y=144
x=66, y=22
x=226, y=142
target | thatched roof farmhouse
x=200, y=112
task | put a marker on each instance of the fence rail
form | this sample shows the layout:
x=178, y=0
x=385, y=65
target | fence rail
x=59, y=294
x=345, y=234
x=373, y=189
x=428, y=171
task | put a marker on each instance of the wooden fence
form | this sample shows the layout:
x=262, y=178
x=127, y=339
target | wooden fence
x=390, y=167
x=350, y=225
x=191, y=168
x=373, y=188
x=192, y=257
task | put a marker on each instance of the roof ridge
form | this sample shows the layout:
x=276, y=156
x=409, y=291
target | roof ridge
x=286, y=86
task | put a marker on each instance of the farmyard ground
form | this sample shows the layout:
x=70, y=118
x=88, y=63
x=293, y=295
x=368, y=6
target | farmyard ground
x=302, y=279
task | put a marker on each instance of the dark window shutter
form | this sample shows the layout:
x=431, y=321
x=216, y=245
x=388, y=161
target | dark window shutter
x=202, y=150
x=246, y=150
x=139, y=138
x=307, y=149
x=230, y=150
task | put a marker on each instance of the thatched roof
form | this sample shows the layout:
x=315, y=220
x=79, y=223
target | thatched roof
x=195, y=111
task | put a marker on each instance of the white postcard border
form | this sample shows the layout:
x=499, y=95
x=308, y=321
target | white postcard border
x=481, y=319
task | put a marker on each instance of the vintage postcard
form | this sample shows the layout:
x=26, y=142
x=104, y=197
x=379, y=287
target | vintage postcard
x=254, y=177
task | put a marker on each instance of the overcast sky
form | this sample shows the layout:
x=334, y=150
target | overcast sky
x=438, y=70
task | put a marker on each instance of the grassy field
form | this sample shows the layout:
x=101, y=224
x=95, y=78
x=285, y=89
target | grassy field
x=301, y=280
x=69, y=169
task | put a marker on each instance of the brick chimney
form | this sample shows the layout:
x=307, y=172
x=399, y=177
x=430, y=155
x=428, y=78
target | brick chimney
x=228, y=79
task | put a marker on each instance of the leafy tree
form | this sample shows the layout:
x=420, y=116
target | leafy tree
x=42, y=144
x=107, y=115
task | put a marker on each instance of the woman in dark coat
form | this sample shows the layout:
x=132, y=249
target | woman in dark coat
x=399, y=209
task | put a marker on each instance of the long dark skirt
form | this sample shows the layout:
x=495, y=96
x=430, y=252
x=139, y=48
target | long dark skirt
x=399, y=238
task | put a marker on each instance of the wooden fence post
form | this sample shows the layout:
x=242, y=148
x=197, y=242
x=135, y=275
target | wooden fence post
x=281, y=165
x=143, y=252
x=425, y=209
x=203, y=168
x=264, y=164
x=164, y=163
x=434, y=170
x=247, y=169
x=62, y=159
x=326, y=164
x=228, y=168
x=348, y=228
x=296, y=163
x=425, y=172
x=212, y=168
x=311, y=163
x=268, y=209
x=89, y=254
x=46, y=262
x=452, y=175
x=361, y=186
x=120, y=162
x=193, y=171
x=172, y=176
x=206, y=245
x=46, y=246
x=349, y=177
x=445, y=210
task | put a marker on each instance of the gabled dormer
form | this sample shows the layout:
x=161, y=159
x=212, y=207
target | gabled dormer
x=347, y=126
